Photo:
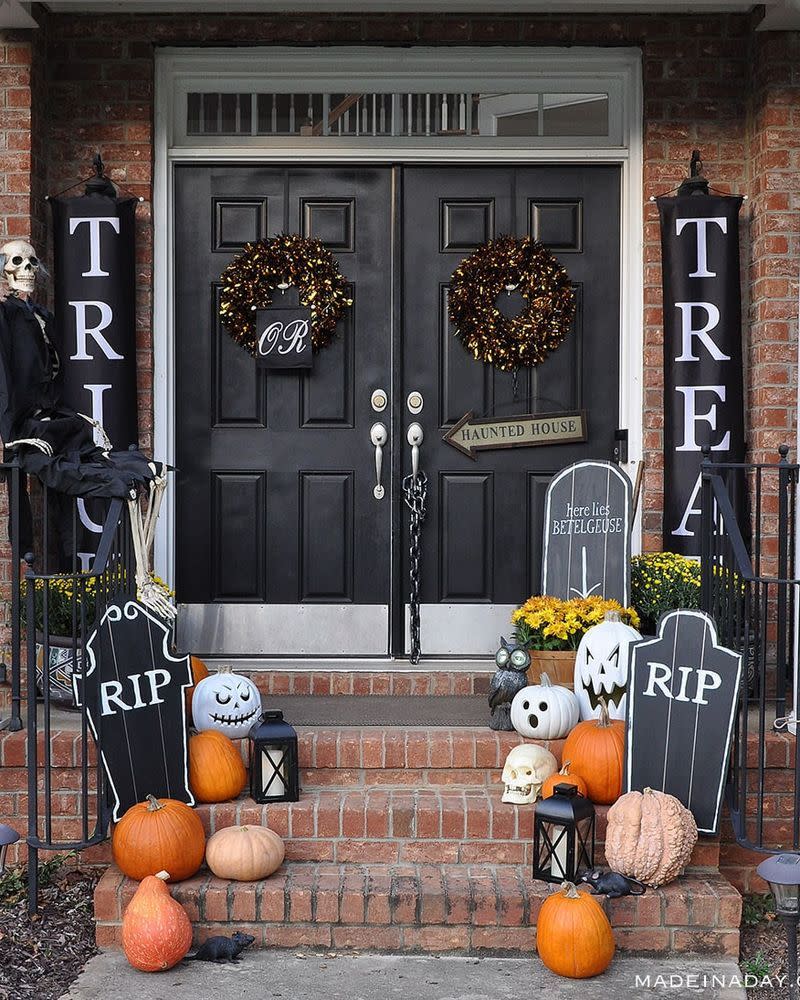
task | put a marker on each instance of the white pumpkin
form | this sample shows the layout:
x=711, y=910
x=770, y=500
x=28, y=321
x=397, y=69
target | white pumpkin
x=601, y=667
x=544, y=711
x=228, y=702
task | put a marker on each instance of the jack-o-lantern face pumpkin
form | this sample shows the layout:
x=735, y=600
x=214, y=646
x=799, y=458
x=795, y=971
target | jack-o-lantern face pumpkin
x=228, y=702
x=601, y=667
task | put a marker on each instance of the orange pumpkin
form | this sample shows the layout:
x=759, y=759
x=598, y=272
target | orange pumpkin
x=156, y=932
x=596, y=749
x=573, y=935
x=199, y=673
x=564, y=777
x=159, y=835
x=216, y=770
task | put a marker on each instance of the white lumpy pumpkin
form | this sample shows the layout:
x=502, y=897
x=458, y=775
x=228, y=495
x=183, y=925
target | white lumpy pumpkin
x=544, y=711
x=601, y=667
x=228, y=702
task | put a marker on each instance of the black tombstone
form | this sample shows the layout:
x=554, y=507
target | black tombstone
x=682, y=696
x=587, y=533
x=136, y=706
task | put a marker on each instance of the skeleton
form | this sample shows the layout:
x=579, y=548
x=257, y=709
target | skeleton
x=525, y=769
x=20, y=267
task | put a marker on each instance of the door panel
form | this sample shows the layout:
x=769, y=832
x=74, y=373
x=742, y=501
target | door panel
x=482, y=537
x=276, y=469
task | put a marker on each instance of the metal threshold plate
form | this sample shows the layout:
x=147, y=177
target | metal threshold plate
x=381, y=710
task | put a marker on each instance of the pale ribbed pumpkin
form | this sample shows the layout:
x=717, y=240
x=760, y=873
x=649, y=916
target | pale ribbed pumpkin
x=564, y=777
x=650, y=836
x=597, y=751
x=156, y=932
x=156, y=835
x=573, y=935
x=216, y=770
x=244, y=853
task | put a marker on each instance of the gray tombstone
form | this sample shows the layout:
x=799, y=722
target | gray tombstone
x=587, y=533
x=683, y=690
x=134, y=691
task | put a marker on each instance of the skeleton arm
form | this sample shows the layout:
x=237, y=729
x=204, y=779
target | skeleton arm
x=42, y=445
x=150, y=593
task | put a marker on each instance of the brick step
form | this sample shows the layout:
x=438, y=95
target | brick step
x=430, y=908
x=424, y=683
x=450, y=824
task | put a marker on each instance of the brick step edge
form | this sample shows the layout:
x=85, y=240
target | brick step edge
x=429, y=908
x=372, y=682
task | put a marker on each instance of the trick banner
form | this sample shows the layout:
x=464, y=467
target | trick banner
x=703, y=374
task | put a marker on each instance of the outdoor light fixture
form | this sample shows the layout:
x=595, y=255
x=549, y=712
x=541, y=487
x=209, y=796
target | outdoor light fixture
x=8, y=836
x=274, y=774
x=782, y=871
x=563, y=835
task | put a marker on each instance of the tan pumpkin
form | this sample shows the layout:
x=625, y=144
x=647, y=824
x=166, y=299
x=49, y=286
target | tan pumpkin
x=216, y=770
x=156, y=835
x=597, y=751
x=564, y=777
x=650, y=836
x=156, y=931
x=573, y=934
x=244, y=853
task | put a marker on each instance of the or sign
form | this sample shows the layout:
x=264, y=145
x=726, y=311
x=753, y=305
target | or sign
x=703, y=381
x=283, y=337
x=682, y=695
x=135, y=702
x=472, y=434
x=94, y=257
x=587, y=533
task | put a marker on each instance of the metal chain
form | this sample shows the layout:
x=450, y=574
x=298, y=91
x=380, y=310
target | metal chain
x=415, y=492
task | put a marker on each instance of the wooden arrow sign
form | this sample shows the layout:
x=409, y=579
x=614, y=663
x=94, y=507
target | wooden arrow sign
x=472, y=434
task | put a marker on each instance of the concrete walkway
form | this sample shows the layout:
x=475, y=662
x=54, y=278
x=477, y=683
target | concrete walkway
x=279, y=975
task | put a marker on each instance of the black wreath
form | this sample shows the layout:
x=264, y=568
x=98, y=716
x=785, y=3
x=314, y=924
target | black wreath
x=249, y=281
x=503, y=265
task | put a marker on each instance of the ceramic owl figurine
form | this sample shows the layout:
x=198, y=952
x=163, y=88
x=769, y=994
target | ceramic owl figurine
x=511, y=676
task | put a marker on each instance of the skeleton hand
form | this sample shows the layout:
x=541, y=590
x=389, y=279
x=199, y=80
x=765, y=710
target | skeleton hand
x=39, y=443
x=152, y=596
x=102, y=439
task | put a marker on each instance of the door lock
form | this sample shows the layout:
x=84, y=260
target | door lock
x=415, y=402
x=379, y=399
x=378, y=435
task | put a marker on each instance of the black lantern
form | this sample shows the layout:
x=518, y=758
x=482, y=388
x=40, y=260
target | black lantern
x=274, y=774
x=782, y=871
x=563, y=835
x=8, y=836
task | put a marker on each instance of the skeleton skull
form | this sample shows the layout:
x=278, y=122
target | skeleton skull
x=20, y=266
x=525, y=769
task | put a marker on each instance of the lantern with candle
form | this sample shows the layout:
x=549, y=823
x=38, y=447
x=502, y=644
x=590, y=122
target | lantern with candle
x=274, y=773
x=563, y=835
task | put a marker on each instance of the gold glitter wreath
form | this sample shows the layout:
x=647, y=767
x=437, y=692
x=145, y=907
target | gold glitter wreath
x=250, y=280
x=496, y=267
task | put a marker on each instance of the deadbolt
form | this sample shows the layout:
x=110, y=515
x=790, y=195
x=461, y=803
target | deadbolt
x=379, y=400
x=415, y=402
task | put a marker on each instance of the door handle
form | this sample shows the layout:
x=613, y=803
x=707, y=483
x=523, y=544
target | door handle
x=378, y=436
x=415, y=437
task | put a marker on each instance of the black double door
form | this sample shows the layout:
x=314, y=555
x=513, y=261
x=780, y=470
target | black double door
x=282, y=545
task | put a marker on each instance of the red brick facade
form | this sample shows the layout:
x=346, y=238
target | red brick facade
x=709, y=81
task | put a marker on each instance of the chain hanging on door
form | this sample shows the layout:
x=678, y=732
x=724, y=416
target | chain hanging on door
x=415, y=492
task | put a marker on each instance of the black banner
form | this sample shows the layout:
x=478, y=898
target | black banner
x=94, y=256
x=703, y=374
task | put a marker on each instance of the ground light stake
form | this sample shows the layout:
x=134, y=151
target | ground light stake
x=782, y=871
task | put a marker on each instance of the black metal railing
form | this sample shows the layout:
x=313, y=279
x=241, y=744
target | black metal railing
x=749, y=586
x=58, y=592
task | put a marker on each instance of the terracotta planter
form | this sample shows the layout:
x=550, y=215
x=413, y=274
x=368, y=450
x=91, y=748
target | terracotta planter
x=559, y=665
x=64, y=661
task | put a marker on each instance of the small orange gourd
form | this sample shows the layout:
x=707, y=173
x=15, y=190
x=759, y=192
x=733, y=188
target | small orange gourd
x=159, y=835
x=216, y=770
x=573, y=934
x=564, y=777
x=156, y=931
x=596, y=749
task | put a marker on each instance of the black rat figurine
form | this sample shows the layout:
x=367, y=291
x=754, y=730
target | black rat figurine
x=611, y=884
x=223, y=949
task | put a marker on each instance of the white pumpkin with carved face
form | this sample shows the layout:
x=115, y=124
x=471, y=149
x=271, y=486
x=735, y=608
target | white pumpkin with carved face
x=601, y=667
x=544, y=711
x=227, y=702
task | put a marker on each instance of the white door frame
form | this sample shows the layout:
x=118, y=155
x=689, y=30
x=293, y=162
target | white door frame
x=386, y=69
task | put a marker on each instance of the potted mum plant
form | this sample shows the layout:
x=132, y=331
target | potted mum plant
x=661, y=582
x=551, y=630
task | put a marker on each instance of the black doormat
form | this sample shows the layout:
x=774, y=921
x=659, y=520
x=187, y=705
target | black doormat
x=381, y=710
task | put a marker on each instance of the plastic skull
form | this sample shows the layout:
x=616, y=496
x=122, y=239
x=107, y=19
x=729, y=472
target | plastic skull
x=20, y=265
x=525, y=769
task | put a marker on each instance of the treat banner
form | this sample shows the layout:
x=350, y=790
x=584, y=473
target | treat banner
x=703, y=375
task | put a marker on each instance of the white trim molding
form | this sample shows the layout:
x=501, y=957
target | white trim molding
x=616, y=72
